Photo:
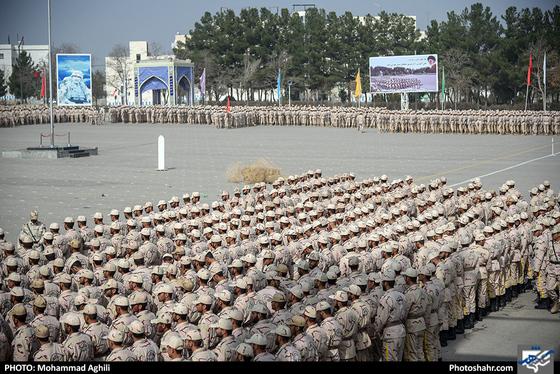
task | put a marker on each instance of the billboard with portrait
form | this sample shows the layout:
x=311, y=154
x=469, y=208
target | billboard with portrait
x=73, y=79
x=394, y=74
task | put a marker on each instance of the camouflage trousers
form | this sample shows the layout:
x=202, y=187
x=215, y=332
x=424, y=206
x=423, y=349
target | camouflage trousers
x=540, y=284
x=525, y=272
x=458, y=312
x=432, y=345
x=469, y=299
x=392, y=349
x=552, y=281
x=443, y=314
x=363, y=355
x=513, y=274
x=494, y=281
x=482, y=293
x=414, y=346
x=375, y=349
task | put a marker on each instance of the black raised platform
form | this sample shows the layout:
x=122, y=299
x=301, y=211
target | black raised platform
x=51, y=152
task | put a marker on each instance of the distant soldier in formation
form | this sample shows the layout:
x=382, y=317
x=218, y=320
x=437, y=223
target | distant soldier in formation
x=472, y=122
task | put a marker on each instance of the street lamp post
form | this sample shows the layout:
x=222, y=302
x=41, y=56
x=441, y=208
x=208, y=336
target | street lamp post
x=289, y=93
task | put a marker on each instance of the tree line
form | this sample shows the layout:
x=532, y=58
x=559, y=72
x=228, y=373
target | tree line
x=485, y=57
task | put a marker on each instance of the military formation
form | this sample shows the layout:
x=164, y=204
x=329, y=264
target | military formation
x=308, y=268
x=473, y=122
x=385, y=84
x=40, y=114
x=404, y=121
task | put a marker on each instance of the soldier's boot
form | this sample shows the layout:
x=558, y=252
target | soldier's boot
x=474, y=318
x=555, y=307
x=479, y=315
x=443, y=338
x=502, y=301
x=542, y=303
x=494, y=304
x=469, y=322
x=515, y=291
x=451, y=333
x=460, y=328
x=508, y=295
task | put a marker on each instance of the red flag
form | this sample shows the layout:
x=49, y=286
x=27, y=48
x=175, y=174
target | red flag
x=227, y=109
x=43, y=87
x=530, y=67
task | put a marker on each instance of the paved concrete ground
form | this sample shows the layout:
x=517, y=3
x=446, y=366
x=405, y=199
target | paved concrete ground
x=197, y=158
x=497, y=337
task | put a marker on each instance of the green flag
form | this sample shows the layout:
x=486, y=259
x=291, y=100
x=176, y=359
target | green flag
x=443, y=85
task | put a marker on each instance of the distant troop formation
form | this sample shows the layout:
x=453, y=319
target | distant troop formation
x=395, y=84
x=406, y=121
x=473, y=122
x=307, y=269
x=40, y=114
x=507, y=122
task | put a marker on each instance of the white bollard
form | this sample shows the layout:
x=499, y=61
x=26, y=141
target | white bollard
x=161, y=154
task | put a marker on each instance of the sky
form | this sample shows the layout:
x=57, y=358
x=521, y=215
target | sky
x=95, y=27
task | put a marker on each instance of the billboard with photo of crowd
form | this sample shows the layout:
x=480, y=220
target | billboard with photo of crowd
x=394, y=74
x=73, y=79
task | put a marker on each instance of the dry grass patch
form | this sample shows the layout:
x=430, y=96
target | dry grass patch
x=259, y=171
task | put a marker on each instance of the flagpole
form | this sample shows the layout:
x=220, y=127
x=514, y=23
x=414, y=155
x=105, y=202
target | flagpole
x=544, y=83
x=528, y=79
x=358, y=88
x=526, y=97
x=443, y=88
x=50, y=78
x=203, y=85
x=279, y=97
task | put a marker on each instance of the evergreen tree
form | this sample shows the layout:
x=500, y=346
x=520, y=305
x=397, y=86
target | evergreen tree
x=23, y=83
x=3, y=86
x=97, y=85
x=485, y=58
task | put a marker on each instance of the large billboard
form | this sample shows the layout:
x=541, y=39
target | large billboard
x=393, y=74
x=73, y=79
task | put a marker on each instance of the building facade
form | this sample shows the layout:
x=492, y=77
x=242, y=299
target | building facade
x=127, y=84
x=9, y=54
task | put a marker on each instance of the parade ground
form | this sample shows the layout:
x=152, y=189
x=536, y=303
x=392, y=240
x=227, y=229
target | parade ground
x=197, y=158
x=124, y=173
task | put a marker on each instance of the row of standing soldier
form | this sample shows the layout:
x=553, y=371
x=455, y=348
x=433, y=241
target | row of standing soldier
x=502, y=122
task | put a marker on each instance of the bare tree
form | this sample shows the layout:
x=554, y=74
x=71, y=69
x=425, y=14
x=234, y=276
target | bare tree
x=537, y=51
x=156, y=50
x=250, y=68
x=214, y=75
x=116, y=71
x=455, y=63
x=279, y=62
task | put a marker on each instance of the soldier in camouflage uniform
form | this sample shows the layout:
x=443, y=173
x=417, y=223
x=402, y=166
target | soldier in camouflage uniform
x=24, y=343
x=34, y=229
x=389, y=320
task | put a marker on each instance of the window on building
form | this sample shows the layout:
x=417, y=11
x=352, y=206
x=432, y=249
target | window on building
x=138, y=57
